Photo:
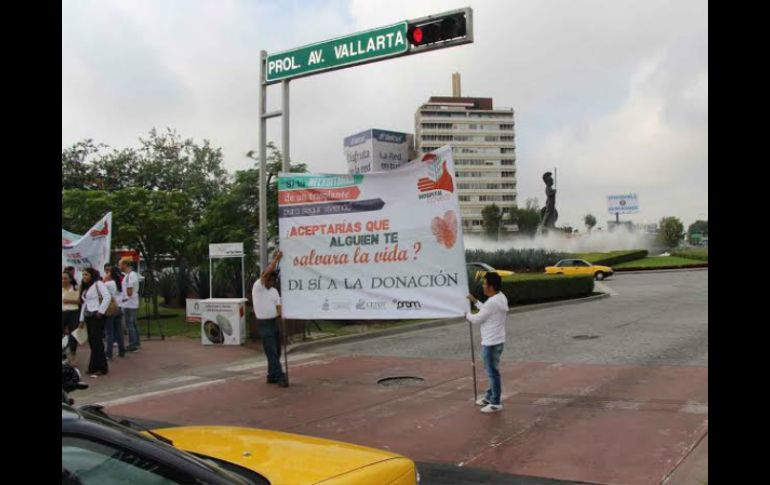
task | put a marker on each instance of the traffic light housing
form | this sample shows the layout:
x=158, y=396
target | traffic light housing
x=443, y=30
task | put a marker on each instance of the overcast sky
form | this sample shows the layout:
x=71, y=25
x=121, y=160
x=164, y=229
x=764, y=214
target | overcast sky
x=612, y=93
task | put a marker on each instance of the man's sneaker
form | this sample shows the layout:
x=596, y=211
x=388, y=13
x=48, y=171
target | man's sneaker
x=271, y=380
x=492, y=408
x=482, y=402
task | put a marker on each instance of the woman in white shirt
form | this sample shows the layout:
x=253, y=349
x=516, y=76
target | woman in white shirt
x=96, y=299
x=113, y=325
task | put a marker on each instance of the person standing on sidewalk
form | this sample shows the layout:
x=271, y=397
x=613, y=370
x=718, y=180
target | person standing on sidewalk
x=267, y=308
x=96, y=299
x=113, y=324
x=130, y=302
x=491, y=317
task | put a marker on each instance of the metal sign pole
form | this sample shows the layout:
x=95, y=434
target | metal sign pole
x=262, y=163
x=285, y=128
x=286, y=168
x=243, y=277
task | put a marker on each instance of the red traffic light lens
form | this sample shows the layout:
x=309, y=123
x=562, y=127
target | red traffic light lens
x=417, y=35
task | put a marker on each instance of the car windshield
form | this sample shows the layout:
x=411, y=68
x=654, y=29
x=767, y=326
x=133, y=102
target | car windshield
x=104, y=419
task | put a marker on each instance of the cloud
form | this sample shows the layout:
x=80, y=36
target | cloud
x=613, y=93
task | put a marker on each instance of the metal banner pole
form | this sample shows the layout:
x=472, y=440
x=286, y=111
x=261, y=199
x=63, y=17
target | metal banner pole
x=473, y=363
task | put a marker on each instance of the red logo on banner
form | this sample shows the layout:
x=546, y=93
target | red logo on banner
x=438, y=178
x=105, y=230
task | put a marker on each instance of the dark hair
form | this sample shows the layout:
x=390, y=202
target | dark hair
x=494, y=280
x=94, y=278
x=116, y=277
x=108, y=264
x=72, y=279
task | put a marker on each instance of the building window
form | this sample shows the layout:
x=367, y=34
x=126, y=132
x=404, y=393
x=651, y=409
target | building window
x=506, y=127
x=507, y=174
x=506, y=162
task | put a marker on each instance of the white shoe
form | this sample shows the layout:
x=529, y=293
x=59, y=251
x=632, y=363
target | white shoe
x=492, y=408
x=482, y=402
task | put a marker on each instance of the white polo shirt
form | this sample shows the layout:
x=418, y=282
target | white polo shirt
x=265, y=301
x=131, y=280
x=492, y=316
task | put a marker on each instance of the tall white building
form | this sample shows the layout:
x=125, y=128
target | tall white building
x=483, y=147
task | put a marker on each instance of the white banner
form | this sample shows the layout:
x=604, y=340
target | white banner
x=92, y=250
x=623, y=204
x=382, y=245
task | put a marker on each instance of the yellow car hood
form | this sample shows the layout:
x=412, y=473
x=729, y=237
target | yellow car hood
x=285, y=458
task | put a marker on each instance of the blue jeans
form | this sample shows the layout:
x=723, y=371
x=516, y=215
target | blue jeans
x=491, y=355
x=270, y=334
x=129, y=317
x=113, y=327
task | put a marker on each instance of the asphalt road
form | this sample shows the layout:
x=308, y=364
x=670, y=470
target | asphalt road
x=651, y=319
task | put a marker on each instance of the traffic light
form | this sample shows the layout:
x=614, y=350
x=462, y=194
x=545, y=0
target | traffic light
x=446, y=29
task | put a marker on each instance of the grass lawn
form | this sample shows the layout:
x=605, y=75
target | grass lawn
x=658, y=262
x=172, y=320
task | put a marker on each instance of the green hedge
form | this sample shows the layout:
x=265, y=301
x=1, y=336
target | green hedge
x=701, y=254
x=539, y=287
x=612, y=258
x=515, y=259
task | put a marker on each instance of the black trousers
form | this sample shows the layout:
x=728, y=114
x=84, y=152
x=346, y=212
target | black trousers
x=69, y=322
x=98, y=361
x=270, y=333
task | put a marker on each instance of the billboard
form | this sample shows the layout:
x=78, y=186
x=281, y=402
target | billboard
x=377, y=150
x=623, y=204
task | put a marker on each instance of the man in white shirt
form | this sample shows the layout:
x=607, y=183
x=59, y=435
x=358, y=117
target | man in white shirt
x=129, y=302
x=267, y=308
x=492, y=316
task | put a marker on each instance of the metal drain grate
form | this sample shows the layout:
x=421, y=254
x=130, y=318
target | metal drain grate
x=400, y=381
x=585, y=337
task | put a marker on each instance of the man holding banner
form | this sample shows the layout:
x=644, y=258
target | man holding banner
x=492, y=316
x=267, y=309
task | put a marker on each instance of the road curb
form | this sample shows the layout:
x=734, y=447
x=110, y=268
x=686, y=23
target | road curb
x=648, y=271
x=302, y=346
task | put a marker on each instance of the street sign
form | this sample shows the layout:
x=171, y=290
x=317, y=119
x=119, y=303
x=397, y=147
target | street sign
x=413, y=36
x=340, y=52
x=226, y=250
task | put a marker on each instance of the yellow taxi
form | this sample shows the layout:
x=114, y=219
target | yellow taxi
x=98, y=448
x=480, y=269
x=580, y=267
